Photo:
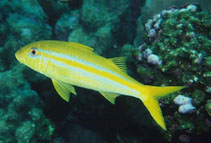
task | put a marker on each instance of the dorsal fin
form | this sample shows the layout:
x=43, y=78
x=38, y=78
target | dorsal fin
x=119, y=62
x=80, y=46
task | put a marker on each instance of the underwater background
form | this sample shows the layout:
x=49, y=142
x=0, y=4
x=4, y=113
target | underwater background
x=166, y=42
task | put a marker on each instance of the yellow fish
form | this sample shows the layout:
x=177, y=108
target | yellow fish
x=69, y=63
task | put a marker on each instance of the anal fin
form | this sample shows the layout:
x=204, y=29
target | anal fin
x=63, y=89
x=110, y=96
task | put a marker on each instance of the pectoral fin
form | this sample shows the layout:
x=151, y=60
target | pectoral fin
x=110, y=96
x=63, y=89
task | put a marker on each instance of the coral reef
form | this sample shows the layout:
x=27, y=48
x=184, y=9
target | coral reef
x=21, y=27
x=66, y=24
x=208, y=107
x=187, y=108
x=181, y=40
x=21, y=110
x=22, y=118
x=99, y=24
x=185, y=104
x=181, y=100
x=152, y=7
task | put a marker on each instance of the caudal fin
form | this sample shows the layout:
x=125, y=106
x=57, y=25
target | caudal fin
x=149, y=95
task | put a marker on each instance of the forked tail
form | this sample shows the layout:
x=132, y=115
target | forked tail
x=149, y=95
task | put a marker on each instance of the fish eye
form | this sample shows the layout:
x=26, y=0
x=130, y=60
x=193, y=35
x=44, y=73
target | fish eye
x=33, y=51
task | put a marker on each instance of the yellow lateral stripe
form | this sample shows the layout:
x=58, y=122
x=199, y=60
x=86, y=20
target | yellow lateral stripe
x=93, y=70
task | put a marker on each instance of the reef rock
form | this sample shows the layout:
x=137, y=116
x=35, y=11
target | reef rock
x=17, y=109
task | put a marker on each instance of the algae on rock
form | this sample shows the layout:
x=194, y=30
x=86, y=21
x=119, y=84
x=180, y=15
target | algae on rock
x=182, y=41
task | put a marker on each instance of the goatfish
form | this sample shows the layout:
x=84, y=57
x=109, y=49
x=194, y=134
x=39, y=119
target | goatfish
x=70, y=64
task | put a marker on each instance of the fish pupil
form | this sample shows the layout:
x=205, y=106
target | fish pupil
x=33, y=51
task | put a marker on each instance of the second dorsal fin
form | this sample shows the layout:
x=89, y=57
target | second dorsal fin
x=119, y=62
x=80, y=46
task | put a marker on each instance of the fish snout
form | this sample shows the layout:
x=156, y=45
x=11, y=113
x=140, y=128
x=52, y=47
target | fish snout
x=18, y=55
